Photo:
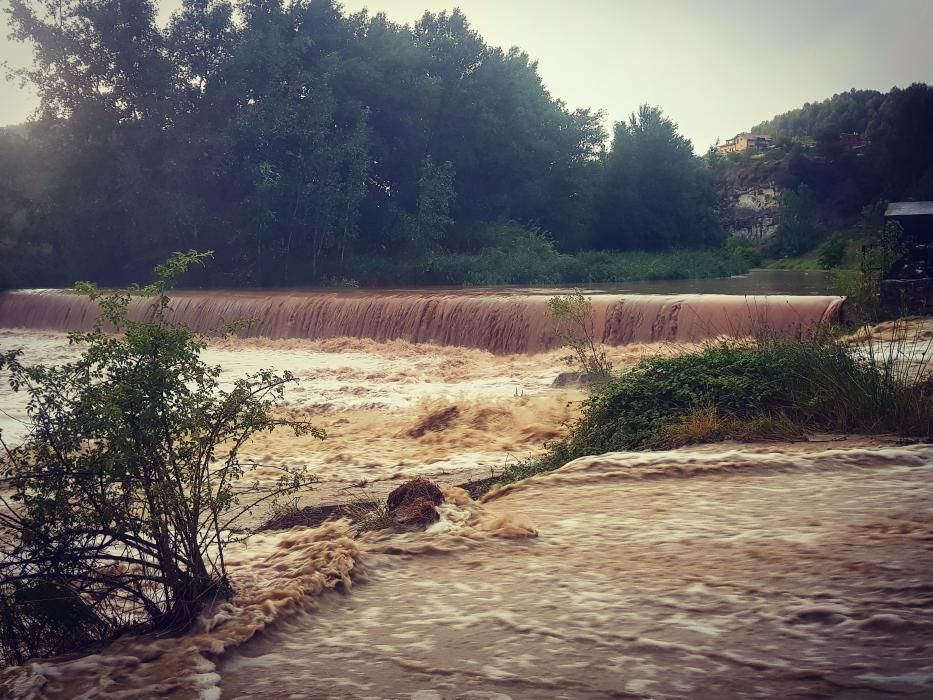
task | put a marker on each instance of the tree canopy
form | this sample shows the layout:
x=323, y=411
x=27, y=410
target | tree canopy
x=306, y=145
x=896, y=124
x=295, y=140
x=655, y=194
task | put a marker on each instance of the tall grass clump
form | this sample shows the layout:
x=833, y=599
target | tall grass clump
x=769, y=387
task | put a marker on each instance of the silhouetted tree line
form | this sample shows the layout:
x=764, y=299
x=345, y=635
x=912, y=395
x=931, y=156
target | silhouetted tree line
x=896, y=164
x=837, y=162
x=301, y=143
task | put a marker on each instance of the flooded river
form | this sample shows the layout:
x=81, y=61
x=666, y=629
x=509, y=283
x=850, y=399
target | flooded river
x=798, y=570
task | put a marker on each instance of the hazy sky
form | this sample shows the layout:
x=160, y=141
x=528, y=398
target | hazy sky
x=715, y=66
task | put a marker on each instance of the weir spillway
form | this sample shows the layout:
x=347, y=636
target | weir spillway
x=501, y=322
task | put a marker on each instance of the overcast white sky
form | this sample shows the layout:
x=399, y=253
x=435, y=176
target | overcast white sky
x=715, y=66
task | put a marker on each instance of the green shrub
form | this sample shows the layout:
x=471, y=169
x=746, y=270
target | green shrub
x=821, y=384
x=744, y=250
x=572, y=315
x=831, y=253
x=863, y=289
x=129, y=484
x=512, y=254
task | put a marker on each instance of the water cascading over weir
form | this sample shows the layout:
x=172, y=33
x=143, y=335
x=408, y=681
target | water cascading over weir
x=499, y=321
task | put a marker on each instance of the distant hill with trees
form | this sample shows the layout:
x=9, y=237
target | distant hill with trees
x=898, y=124
x=831, y=185
x=849, y=112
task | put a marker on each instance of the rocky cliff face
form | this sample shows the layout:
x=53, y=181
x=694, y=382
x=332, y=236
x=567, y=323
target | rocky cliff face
x=753, y=197
x=752, y=191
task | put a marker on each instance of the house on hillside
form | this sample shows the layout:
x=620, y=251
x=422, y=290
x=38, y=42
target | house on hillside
x=742, y=143
x=854, y=141
x=908, y=285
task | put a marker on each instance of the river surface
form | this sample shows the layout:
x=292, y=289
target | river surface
x=503, y=320
x=797, y=570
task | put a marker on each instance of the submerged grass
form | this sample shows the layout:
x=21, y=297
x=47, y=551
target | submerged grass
x=765, y=388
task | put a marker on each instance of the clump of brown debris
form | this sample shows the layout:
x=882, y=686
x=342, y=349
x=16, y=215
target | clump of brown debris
x=411, y=506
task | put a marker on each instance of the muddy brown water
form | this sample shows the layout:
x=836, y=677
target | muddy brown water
x=777, y=570
x=501, y=320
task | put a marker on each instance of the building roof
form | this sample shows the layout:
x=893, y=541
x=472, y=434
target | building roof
x=909, y=209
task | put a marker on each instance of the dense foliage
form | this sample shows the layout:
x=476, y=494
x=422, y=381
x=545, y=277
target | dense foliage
x=849, y=112
x=119, y=503
x=772, y=388
x=302, y=143
x=527, y=257
x=899, y=157
x=654, y=194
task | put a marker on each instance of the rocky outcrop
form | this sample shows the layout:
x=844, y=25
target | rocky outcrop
x=753, y=197
x=413, y=504
x=566, y=380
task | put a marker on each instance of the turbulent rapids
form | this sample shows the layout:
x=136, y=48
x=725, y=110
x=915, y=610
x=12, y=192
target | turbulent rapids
x=686, y=574
x=492, y=320
x=758, y=570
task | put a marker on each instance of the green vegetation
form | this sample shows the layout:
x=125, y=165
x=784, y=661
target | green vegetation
x=654, y=194
x=832, y=252
x=744, y=250
x=770, y=388
x=306, y=145
x=848, y=112
x=127, y=488
x=572, y=315
x=837, y=162
x=863, y=290
x=841, y=252
x=898, y=161
x=796, y=232
x=859, y=256
x=532, y=259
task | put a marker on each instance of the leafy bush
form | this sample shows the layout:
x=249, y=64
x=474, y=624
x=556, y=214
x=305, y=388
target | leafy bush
x=831, y=253
x=863, y=290
x=572, y=315
x=744, y=250
x=734, y=388
x=126, y=489
x=520, y=256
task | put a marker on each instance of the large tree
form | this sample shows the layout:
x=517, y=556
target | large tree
x=655, y=192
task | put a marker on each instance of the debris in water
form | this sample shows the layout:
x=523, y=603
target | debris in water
x=571, y=379
x=434, y=422
x=308, y=516
x=412, y=504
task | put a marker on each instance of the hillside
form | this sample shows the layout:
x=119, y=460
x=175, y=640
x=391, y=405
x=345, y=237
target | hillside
x=847, y=112
x=819, y=179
